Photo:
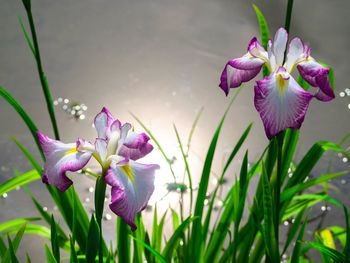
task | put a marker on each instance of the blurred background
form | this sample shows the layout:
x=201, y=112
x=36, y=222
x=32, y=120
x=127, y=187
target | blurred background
x=162, y=61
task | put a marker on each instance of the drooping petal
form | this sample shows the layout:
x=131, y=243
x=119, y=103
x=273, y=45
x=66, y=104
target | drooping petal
x=103, y=121
x=281, y=102
x=317, y=76
x=61, y=157
x=297, y=52
x=135, y=146
x=279, y=45
x=240, y=70
x=132, y=186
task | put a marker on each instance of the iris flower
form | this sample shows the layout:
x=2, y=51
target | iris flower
x=117, y=148
x=279, y=99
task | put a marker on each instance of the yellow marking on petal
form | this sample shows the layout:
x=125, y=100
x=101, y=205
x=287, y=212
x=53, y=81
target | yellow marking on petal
x=73, y=150
x=127, y=170
x=327, y=238
x=281, y=83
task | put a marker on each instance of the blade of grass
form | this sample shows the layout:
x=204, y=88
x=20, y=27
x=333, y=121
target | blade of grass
x=151, y=250
x=54, y=240
x=25, y=117
x=16, y=222
x=19, y=180
x=50, y=258
x=297, y=247
x=196, y=236
x=174, y=240
x=123, y=241
x=187, y=167
x=12, y=253
x=92, y=241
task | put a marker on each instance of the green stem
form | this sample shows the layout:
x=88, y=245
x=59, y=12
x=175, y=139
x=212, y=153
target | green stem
x=288, y=15
x=43, y=81
x=100, y=192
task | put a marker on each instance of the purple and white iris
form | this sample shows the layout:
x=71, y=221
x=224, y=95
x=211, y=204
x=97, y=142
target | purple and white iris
x=279, y=99
x=117, y=148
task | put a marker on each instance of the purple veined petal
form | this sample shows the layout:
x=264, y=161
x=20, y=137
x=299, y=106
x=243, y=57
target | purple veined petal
x=279, y=45
x=297, y=52
x=132, y=187
x=61, y=157
x=135, y=146
x=257, y=50
x=281, y=102
x=103, y=121
x=84, y=146
x=317, y=76
x=239, y=70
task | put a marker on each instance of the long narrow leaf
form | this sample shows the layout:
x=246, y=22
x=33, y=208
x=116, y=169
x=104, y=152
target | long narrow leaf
x=19, y=180
x=54, y=240
x=174, y=240
x=50, y=258
x=19, y=221
x=151, y=250
x=93, y=241
x=123, y=241
x=297, y=248
x=25, y=117
x=13, y=257
x=196, y=237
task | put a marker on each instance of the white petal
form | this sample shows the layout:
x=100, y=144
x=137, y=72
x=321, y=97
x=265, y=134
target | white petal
x=279, y=45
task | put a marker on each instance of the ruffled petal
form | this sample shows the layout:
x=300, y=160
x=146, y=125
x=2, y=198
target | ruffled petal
x=281, y=102
x=135, y=146
x=61, y=157
x=101, y=150
x=132, y=187
x=317, y=76
x=240, y=70
x=103, y=121
x=279, y=45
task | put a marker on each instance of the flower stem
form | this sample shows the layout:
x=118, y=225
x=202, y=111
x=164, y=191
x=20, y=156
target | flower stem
x=100, y=192
x=43, y=81
x=288, y=15
x=280, y=138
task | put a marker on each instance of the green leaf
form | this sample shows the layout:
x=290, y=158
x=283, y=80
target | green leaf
x=297, y=247
x=290, y=192
x=12, y=252
x=186, y=166
x=123, y=241
x=197, y=237
x=54, y=240
x=147, y=251
x=317, y=196
x=264, y=30
x=25, y=117
x=151, y=250
x=14, y=244
x=29, y=42
x=294, y=229
x=174, y=240
x=237, y=147
x=268, y=233
x=49, y=256
x=332, y=253
x=73, y=255
x=346, y=249
x=92, y=241
x=16, y=222
x=19, y=180
x=3, y=248
x=340, y=233
x=139, y=233
x=45, y=215
x=28, y=258
x=41, y=231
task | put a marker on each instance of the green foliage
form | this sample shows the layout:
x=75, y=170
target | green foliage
x=92, y=241
x=19, y=180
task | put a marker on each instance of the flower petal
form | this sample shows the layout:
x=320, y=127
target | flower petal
x=240, y=70
x=281, y=102
x=101, y=149
x=317, y=76
x=279, y=45
x=135, y=146
x=61, y=157
x=257, y=50
x=132, y=186
x=103, y=121
x=297, y=52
